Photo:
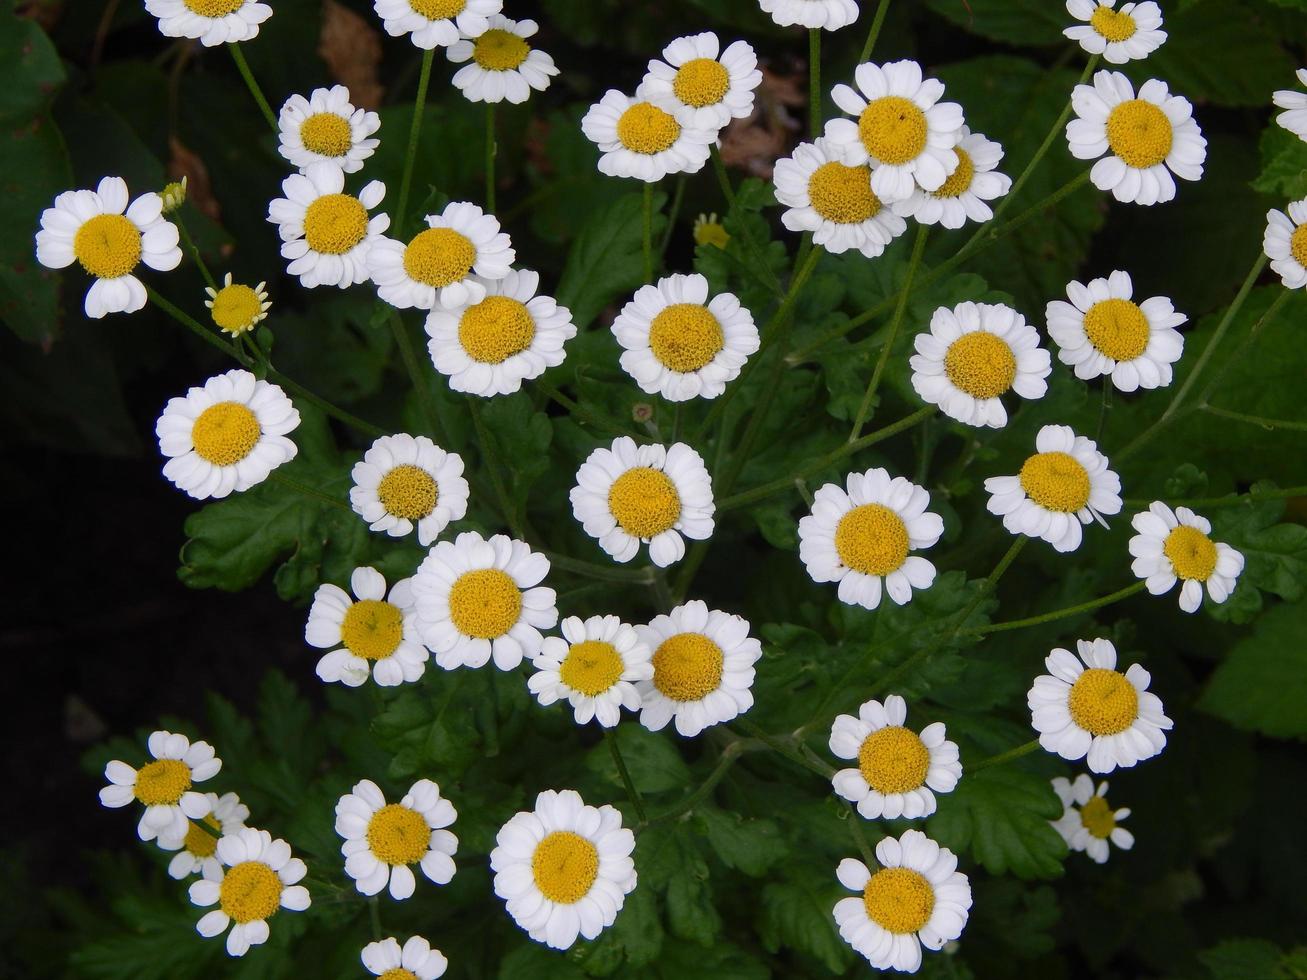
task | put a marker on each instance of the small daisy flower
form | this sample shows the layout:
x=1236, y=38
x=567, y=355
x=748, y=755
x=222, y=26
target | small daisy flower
x=916, y=898
x=902, y=129
x=640, y=137
x=712, y=86
x=1083, y=707
x=415, y=960
x=897, y=768
x=564, y=869
x=405, y=481
x=834, y=201
x=325, y=232
x=326, y=128
x=509, y=335
x=1087, y=822
x=1294, y=118
x=163, y=786
x=436, y=23
x=1176, y=544
x=861, y=538
x=173, y=195
x=1064, y=485
x=974, y=354
x=435, y=269
x=478, y=598
x=963, y=195
x=383, y=839
x=197, y=850
x=108, y=238
x=1146, y=138
x=370, y=634
x=256, y=878
x=630, y=495
x=226, y=436
x=504, y=67
x=211, y=22
x=1102, y=331
x=702, y=668
x=594, y=666
x=828, y=15
x=1285, y=243
x=709, y=230
x=1128, y=34
x=237, y=309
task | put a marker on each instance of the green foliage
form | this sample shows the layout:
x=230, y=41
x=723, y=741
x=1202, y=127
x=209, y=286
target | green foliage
x=1262, y=684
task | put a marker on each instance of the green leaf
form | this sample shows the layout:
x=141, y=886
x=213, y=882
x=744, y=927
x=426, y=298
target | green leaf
x=751, y=846
x=606, y=260
x=1240, y=959
x=30, y=70
x=523, y=436
x=797, y=912
x=1025, y=22
x=668, y=860
x=1284, y=164
x=1275, y=554
x=653, y=761
x=1262, y=685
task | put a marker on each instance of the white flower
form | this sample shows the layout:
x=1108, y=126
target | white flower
x=640, y=137
x=972, y=355
x=964, y=193
x=829, y=15
x=257, y=877
x=712, y=86
x=702, y=668
x=371, y=634
x=1087, y=822
x=325, y=232
x=383, y=839
x=1128, y=34
x=406, y=481
x=1083, y=707
x=916, y=898
x=594, y=667
x=477, y=597
x=897, y=769
x=1146, y=138
x=628, y=495
x=902, y=129
x=436, y=23
x=1064, y=485
x=326, y=128
x=226, y=436
x=504, y=67
x=197, y=849
x=1294, y=118
x=415, y=959
x=236, y=308
x=435, y=269
x=164, y=786
x=1285, y=243
x=507, y=336
x=1172, y=545
x=211, y=22
x=563, y=869
x=109, y=239
x=1102, y=331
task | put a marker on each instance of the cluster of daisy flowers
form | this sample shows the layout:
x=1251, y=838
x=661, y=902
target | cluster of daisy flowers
x=1285, y=240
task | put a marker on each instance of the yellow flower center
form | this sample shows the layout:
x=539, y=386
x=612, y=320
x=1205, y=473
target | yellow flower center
x=899, y=900
x=213, y=8
x=701, y=82
x=893, y=129
x=1113, y=24
x=408, y=491
x=1103, y=702
x=162, y=782
x=1139, y=133
x=1191, y=553
x=644, y=128
x=236, y=308
x=438, y=9
x=564, y=866
x=687, y=667
x=685, y=337
x=710, y=231
x=200, y=842
x=843, y=194
x=372, y=629
x=499, y=50
x=398, y=835
x=439, y=256
x=327, y=134
x=1298, y=244
x=980, y=364
x=107, y=246
x=335, y=223
x=893, y=760
x=872, y=539
x=644, y=502
x=1117, y=328
x=1098, y=818
x=591, y=667
x=398, y=973
x=959, y=180
x=485, y=603
x=495, y=329
x=1056, y=481
x=225, y=433
x=249, y=892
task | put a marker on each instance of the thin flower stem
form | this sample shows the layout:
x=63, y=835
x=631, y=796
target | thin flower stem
x=308, y=491
x=786, y=747
x=997, y=760
x=1083, y=607
x=420, y=386
x=608, y=573
x=647, y=238
x=730, y=755
x=374, y=905
x=414, y=131
x=1265, y=423
x=859, y=835
x=490, y=455
x=1233, y=357
x=243, y=67
x=490, y=158
x=814, y=82
x=678, y=196
x=1107, y=407
x=585, y=414
x=876, y=22
x=610, y=737
x=194, y=249
x=723, y=178
x=1229, y=500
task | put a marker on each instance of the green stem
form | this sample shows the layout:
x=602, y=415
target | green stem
x=997, y=760
x=1107, y=406
x=1265, y=423
x=308, y=491
x=608, y=573
x=647, y=237
x=490, y=158
x=414, y=130
x=1233, y=357
x=586, y=414
x=243, y=67
x=678, y=197
x=1075, y=610
x=610, y=737
x=490, y=455
x=814, y=82
x=786, y=747
x=723, y=178
x=730, y=754
x=874, y=33
x=411, y=364
x=374, y=904
x=194, y=249
x=728, y=192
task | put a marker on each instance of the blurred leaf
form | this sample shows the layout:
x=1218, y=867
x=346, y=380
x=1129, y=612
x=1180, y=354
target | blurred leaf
x=1262, y=685
x=1241, y=959
x=1284, y=164
x=1027, y=22
x=751, y=846
x=652, y=759
x=796, y=912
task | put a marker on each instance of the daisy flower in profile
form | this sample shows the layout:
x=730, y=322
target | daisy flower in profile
x=163, y=786
x=1102, y=331
x=478, y=598
x=435, y=269
x=1146, y=138
x=709, y=230
x=1176, y=544
x=256, y=878
x=237, y=309
x=211, y=22
x=963, y=195
x=1085, y=708
x=1285, y=243
x=829, y=15
x=563, y=869
x=1294, y=118
x=702, y=668
x=326, y=128
x=834, y=201
x=504, y=67
x=509, y=335
x=861, y=537
x=370, y=634
x=436, y=23
x=902, y=129
x=628, y=495
x=897, y=768
x=325, y=232
x=1128, y=34
x=227, y=435
x=108, y=238
x=415, y=960
x=1064, y=485
x=594, y=666
x=405, y=481
x=1088, y=822
x=640, y=137
x=974, y=354
x=197, y=849
x=712, y=86
x=383, y=839
x=916, y=898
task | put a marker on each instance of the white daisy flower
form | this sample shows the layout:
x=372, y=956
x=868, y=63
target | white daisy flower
x=1294, y=118
x=477, y=598
x=108, y=238
x=902, y=129
x=702, y=668
x=435, y=269
x=640, y=137
x=1128, y=34
x=1064, y=485
x=507, y=336
x=406, y=481
x=829, y=15
x=1102, y=331
x=564, y=869
x=628, y=495
x=236, y=308
x=834, y=201
x=326, y=128
x=197, y=849
x=897, y=768
x=163, y=786
x=974, y=354
x=504, y=67
x=383, y=839
x=1083, y=707
x=963, y=195
x=594, y=666
x=211, y=22
x=1146, y=138
x=256, y=878
x=861, y=538
x=415, y=960
x=1285, y=243
x=370, y=634
x=325, y=232
x=712, y=86
x=916, y=898
x=1176, y=544
x=226, y=436
x=1087, y=822
x=436, y=23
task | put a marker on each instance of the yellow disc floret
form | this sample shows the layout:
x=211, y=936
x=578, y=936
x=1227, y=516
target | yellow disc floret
x=1117, y=328
x=843, y=194
x=872, y=539
x=1114, y=25
x=959, y=181
x=439, y=256
x=398, y=835
x=335, y=223
x=495, y=329
x=893, y=760
x=499, y=50
x=249, y=892
x=485, y=603
x=107, y=246
x=213, y=8
x=372, y=629
x=565, y=866
x=199, y=841
x=687, y=667
x=326, y=134
x=236, y=308
x=591, y=667
x=644, y=128
x=1191, y=553
x=438, y=9
x=685, y=337
x=408, y=491
x=398, y=973
x=1139, y=133
x=980, y=364
x=701, y=82
x=899, y=900
x=1098, y=818
x=1298, y=244
x=162, y=782
x=1056, y=481
x=225, y=433
x=1103, y=702
x=893, y=129
x=644, y=502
